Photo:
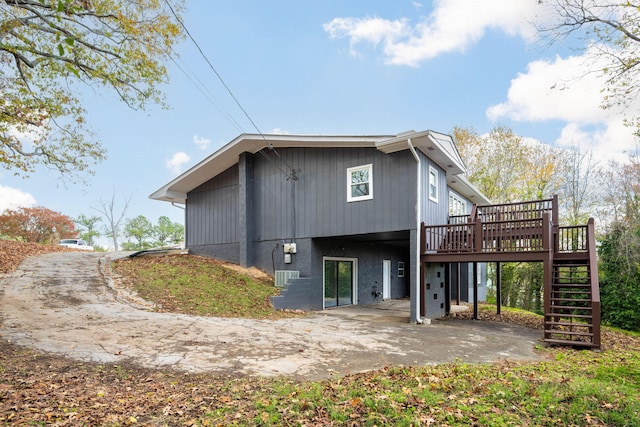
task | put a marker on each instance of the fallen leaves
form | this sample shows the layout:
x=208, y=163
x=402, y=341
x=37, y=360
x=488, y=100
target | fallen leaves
x=13, y=253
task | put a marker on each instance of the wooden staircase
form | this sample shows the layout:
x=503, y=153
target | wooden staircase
x=572, y=299
x=529, y=232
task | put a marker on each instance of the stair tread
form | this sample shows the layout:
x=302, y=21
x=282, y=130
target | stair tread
x=572, y=333
x=570, y=342
x=570, y=316
x=571, y=324
x=569, y=307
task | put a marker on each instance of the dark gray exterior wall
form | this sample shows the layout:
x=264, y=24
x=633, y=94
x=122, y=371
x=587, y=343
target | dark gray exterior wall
x=300, y=194
x=316, y=203
x=211, y=217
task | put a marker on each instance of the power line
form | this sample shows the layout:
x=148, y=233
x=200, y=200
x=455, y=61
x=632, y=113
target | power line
x=291, y=175
x=213, y=68
x=204, y=90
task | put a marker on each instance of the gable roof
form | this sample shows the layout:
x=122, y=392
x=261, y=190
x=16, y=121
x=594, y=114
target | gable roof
x=438, y=147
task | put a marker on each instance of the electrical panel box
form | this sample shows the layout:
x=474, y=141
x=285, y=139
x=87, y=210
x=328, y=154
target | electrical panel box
x=290, y=248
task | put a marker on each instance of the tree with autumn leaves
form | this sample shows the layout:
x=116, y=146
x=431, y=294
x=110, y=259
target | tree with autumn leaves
x=51, y=49
x=37, y=225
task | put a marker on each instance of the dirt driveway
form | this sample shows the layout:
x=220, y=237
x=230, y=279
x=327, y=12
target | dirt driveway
x=62, y=303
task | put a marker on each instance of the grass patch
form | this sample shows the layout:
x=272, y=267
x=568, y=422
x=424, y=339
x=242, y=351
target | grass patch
x=573, y=388
x=200, y=286
x=581, y=388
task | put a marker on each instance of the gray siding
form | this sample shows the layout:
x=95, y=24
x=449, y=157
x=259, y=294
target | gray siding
x=433, y=213
x=315, y=205
x=212, y=211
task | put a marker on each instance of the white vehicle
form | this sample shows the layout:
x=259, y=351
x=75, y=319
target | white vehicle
x=76, y=244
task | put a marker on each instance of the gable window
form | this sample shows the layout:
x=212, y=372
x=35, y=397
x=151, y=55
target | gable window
x=360, y=183
x=433, y=184
x=457, y=205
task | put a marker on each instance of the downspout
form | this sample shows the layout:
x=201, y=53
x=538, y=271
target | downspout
x=184, y=219
x=416, y=263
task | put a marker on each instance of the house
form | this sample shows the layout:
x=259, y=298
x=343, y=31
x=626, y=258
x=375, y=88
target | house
x=337, y=219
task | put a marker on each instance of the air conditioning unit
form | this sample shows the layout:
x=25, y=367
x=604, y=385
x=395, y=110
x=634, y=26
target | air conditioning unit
x=283, y=276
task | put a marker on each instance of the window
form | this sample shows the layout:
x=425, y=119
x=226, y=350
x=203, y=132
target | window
x=457, y=205
x=360, y=183
x=400, y=269
x=433, y=184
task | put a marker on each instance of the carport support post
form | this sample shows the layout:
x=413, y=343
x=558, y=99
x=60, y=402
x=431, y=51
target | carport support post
x=415, y=281
x=245, y=204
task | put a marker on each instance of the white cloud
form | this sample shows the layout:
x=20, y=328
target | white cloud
x=278, y=131
x=564, y=90
x=452, y=26
x=176, y=162
x=12, y=198
x=202, y=142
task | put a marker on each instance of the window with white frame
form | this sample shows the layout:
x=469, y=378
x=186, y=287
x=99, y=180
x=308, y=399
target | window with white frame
x=360, y=183
x=433, y=184
x=457, y=205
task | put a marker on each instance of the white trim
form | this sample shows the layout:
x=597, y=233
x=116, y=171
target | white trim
x=433, y=172
x=354, y=284
x=386, y=279
x=350, y=171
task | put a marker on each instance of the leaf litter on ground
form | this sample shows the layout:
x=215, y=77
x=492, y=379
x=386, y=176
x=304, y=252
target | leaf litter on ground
x=580, y=388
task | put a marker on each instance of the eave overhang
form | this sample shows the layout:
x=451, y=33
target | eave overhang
x=439, y=147
x=176, y=190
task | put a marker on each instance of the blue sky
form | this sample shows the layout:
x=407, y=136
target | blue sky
x=336, y=67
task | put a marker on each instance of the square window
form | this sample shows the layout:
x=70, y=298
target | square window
x=433, y=184
x=360, y=183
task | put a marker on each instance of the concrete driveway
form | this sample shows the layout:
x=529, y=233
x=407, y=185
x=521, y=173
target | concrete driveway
x=62, y=303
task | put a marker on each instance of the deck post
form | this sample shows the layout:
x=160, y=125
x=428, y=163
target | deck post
x=458, y=283
x=548, y=246
x=498, y=287
x=475, y=291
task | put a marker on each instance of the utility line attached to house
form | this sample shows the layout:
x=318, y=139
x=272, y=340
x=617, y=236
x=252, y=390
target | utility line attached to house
x=290, y=175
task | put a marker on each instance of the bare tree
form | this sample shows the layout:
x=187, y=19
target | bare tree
x=612, y=37
x=113, y=217
x=578, y=193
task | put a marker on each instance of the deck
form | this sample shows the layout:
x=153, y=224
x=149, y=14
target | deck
x=529, y=232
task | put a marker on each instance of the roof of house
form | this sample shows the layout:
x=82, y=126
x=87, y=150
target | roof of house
x=440, y=148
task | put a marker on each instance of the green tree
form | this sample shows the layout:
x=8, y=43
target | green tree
x=87, y=225
x=140, y=230
x=49, y=47
x=508, y=168
x=620, y=247
x=167, y=232
x=505, y=166
x=620, y=276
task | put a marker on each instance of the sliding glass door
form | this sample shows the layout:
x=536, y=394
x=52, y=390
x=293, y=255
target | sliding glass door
x=339, y=281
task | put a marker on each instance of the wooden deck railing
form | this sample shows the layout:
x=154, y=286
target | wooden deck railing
x=572, y=239
x=522, y=235
x=519, y=210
